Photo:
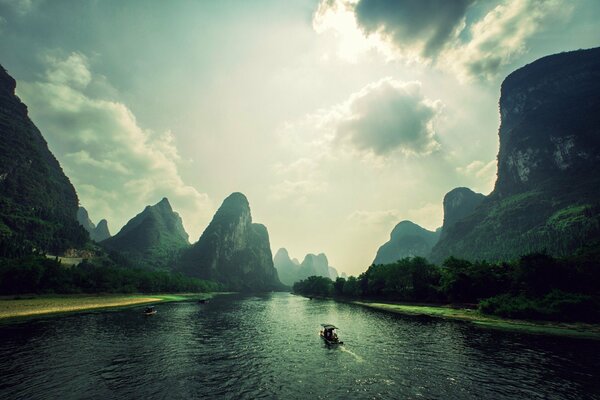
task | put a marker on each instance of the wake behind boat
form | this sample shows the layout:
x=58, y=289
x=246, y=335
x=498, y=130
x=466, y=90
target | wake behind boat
x=329, y=334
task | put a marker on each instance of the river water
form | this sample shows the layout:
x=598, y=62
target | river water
x=267, y=346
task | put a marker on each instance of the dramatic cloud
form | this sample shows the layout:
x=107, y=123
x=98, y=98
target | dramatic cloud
x=471, y=39
x=423, y=27
x=502, y=34
x=390, y=116
x=116, y=166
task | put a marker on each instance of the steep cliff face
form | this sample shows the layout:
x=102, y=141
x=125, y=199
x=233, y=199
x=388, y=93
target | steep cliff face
x=406, y=240
x=546, y=196
x=233, y=250
x=97, y=233
x=101, y=232
x=38, y=204
x=550, y=121
x=153, y=238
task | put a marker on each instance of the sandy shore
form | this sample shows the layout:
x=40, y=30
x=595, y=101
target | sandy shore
x=582, y=330
x=40, y=305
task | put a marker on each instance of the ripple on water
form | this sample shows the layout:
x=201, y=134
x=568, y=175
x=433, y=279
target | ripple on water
x=268, y=347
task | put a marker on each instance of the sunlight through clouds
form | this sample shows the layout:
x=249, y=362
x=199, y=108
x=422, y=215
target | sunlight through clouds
x=108, y=156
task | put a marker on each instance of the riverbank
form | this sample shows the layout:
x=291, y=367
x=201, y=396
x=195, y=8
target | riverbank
x=580, y=330
x=31, y=306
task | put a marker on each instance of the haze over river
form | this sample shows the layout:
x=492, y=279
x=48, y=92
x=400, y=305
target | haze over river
x=267, y=346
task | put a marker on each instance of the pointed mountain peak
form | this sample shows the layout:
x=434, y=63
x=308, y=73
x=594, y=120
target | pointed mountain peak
x=164, y=202
x=282, y=252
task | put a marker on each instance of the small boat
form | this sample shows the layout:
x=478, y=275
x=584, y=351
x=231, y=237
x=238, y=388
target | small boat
x=150, y=310
x=329, y=334
x=203, y=301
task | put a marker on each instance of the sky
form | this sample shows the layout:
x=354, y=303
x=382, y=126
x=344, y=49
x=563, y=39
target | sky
x=336, y=118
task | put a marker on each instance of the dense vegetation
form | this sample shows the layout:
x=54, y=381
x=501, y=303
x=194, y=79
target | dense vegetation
x=38, y=204
x=536, y=286
x=36, y=274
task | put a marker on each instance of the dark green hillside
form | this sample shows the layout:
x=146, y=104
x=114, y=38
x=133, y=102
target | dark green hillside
x=547, y=195
x=38, y=204
x=153, y=238
x=233, y=250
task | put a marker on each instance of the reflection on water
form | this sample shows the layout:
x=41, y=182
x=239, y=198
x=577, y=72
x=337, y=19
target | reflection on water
x=267, y=346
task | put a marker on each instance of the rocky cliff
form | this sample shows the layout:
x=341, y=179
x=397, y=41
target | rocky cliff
x=38, y=204
x=97, y=233
x=546, y=197
x=458, y=204
x=233, y=250
x=406, y=240
x=153, y=238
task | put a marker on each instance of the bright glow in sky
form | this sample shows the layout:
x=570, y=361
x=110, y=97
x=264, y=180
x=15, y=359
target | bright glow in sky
x=336, y=118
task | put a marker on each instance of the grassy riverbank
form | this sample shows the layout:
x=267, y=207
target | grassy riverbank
x=20, y=307
x=582, y=330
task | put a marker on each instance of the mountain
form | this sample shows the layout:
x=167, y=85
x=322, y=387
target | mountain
x=233, y=250
x=152, y=238
x=97, y=233
x=287, y=269
x=406, y=240
x=546, y=196
x=333, y=274
x=290, y=270
x=38, y=204
x=101, y=232
x=458, y=204
x=312, y=264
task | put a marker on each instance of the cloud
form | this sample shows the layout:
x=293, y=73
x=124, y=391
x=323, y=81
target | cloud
x=381, y=217
x=21, y=7
x=471, y=39
x=484, y=174
x=422, y=27
x=116, y=166
x=501, y=35
x=390, y=116
x=428, y=216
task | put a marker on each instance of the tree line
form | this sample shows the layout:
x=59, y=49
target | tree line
x=37, y=274
x=536, y=286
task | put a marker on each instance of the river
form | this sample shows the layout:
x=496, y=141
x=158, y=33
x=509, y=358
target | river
x=267, y=346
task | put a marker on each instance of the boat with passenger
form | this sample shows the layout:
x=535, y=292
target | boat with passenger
x=150, y=310
x=329, y=334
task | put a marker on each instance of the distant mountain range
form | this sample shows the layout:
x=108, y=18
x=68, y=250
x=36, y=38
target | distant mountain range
x=97, y=233
x=290, y=270
x=546, y=197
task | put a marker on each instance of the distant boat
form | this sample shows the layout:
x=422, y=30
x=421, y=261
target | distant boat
x=203, y=301
x=329, y=334
x=150, y=310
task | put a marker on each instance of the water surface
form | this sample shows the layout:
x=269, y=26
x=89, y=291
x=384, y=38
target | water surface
x=267, y=346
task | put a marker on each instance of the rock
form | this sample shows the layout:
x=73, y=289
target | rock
x=97, y=233
x=153, y=238
x=233, y=250
x=406, y=240
x=546, y=196
x=38, y=204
